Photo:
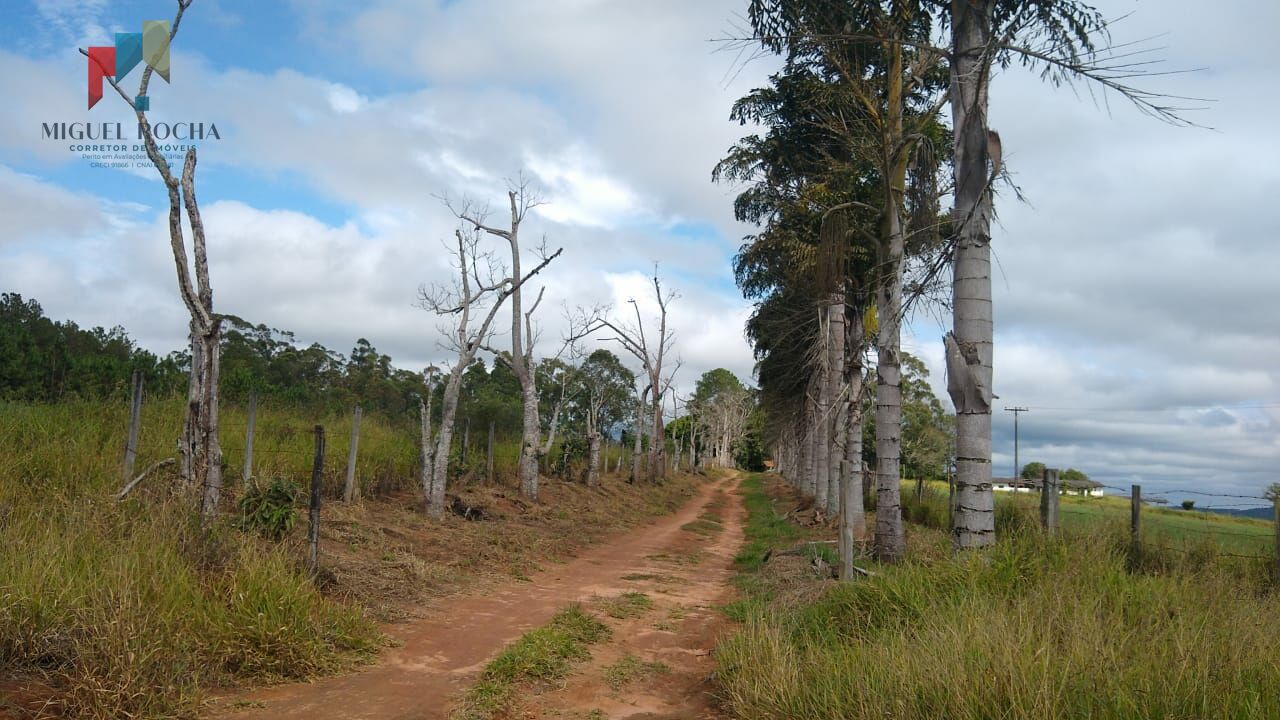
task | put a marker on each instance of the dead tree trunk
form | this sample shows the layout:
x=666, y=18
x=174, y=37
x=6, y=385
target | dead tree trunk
x=488, y=459
x=651, y=356
x=593, y=458
x=520, y=201
x=201, y=454
x=435, y=500
x=350, y=490
x=459, y=301
x=637, y=442
x=135, y=424
x=426, y=446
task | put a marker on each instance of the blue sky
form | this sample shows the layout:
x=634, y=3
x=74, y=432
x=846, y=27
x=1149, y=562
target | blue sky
x=1136, y=286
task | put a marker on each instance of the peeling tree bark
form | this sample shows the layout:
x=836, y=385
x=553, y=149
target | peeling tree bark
x=969, y=347
x=890, y=540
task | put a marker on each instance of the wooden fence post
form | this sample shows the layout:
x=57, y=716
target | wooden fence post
x=1049, y=493
x=349, y=492
x=951, y=498
x=1276, y=501
x=489, y=458
x=313, y=513
x=135, y=423
x=1135, y=523
x=248, y=438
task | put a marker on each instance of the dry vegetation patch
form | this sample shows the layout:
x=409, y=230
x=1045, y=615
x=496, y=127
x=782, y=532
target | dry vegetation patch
x=133, y=609
x=1057, y=627
x=387, y=557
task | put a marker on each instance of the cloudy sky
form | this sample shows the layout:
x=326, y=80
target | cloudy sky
x=1136, y=284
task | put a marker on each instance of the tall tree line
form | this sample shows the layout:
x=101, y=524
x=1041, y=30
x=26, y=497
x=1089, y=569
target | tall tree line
x=845, y=184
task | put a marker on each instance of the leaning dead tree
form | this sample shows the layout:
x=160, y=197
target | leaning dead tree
x=521, y=201
x=200, y=455
x=651, y=350
x=476, y=287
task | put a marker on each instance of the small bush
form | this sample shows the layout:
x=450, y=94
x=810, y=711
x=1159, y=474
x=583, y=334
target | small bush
x=270, y=511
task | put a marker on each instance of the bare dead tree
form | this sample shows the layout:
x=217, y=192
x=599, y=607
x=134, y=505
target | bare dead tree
x=474, y=288
x=675, y=414
x=562, y=377
x=427, y=448
x=521, y=200
x=723, y=420
x=595, y=405
x=638, y=439
x=652, y=353
x=200, y=463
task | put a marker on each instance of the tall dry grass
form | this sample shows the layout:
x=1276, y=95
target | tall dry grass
x=1035, y=627
x=132, y=609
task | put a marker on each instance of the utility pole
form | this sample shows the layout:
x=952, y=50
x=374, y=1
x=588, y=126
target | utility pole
x=1016, y=412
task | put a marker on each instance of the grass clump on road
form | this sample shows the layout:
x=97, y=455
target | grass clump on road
x=703, y=526
x=543, y=655
x=1034, y=627
x=628, y=605
x=629, y=669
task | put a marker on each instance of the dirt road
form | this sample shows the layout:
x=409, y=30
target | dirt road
x=682, y=562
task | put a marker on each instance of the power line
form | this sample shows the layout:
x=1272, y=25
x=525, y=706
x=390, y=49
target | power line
x=1017, y=469
x=1215, y=406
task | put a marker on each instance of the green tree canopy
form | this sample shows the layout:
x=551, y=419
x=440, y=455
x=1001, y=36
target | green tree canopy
x=1032, y=471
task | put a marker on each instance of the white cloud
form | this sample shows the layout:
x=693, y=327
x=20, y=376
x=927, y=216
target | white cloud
x=1136, y=290
x=343, y=99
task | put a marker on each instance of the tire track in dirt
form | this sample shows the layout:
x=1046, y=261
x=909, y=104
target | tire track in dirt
x=438, y=657
x=658, y=666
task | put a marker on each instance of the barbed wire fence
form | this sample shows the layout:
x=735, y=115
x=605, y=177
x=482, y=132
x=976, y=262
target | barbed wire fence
x=306, y=467
x=1164, y=535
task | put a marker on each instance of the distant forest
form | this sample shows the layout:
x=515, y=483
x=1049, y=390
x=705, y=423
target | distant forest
x=45, y=360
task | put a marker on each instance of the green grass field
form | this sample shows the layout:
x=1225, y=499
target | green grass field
x=1169, y=528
